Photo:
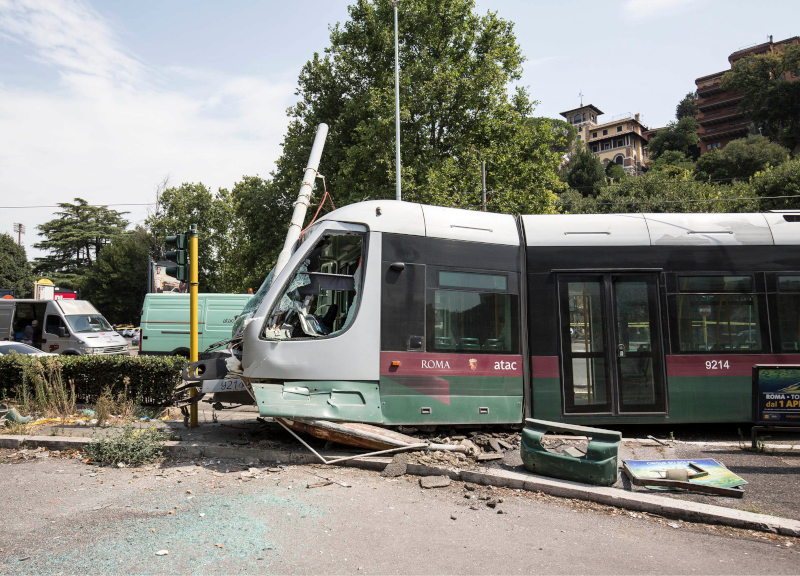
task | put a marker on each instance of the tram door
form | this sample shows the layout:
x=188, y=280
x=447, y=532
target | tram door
x=611, y=344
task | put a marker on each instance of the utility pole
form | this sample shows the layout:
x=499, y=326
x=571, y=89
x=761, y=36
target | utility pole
x=483, y=185
x=193, y=315
x=20, y=230
x=398, y=192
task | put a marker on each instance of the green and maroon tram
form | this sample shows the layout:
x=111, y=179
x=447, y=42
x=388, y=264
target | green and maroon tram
x=398, y=313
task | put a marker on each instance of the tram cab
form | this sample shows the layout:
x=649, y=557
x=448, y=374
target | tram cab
x=393, y=313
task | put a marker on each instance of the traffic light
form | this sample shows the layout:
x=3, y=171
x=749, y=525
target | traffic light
x=180, y=256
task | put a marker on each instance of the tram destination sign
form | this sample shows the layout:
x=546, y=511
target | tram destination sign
x=776, y=394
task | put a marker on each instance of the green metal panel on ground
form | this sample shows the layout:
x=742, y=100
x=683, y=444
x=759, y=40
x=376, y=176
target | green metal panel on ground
x=598, y=466
x=324, y=400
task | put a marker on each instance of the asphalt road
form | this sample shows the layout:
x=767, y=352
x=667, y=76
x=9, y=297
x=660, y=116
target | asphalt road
x=61, y=516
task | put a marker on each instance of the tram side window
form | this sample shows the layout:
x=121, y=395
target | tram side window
x=475, y=322
x=717, y=313
x=789, y=312
x=322, y=297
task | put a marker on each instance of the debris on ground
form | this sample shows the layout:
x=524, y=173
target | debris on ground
x=488, y=457
x=397, y=467
x=434, y=481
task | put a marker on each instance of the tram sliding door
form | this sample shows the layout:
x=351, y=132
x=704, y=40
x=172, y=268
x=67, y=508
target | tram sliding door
x=611, y=344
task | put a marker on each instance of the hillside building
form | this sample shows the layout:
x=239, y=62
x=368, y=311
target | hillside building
x=718, y=114
x=620, y=141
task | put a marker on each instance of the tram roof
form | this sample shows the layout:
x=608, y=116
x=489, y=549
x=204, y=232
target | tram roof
x=666, y=229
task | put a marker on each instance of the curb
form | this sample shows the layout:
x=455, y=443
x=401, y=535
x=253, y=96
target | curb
x=640, y=502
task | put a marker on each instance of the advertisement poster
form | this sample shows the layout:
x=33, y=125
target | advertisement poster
x=162, y=282
x=718, y=475
x=776, y=395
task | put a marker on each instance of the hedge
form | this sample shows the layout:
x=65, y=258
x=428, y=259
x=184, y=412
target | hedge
x=145, y=379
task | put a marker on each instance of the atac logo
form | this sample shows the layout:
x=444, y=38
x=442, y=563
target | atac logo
x=502, y=365
x=436, y=364
x=473, y=363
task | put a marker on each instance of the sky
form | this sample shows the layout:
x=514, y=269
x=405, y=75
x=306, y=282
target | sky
x=104, y=100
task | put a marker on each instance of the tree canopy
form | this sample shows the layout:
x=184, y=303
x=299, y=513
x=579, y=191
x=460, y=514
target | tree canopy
x=770, y=97
x=585, y=172
x=117, y=283
x=75, y=238
x=741, y=158
x=15, y=271
x=680, y=136
x=194, y=203
x=687, y=106
x=456, y=109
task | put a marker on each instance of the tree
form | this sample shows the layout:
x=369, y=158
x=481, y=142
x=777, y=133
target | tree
x=75, y=239
x=117, y=282
x=687, y=107
x=673, y=161
x=741, y=159
x=680, y=136
x=262, y=212
x=585, y=172
x=770, y=97
x=180, y=206
x=15, y=270
x=615, y=171
x=456, y=67
x=781, y=181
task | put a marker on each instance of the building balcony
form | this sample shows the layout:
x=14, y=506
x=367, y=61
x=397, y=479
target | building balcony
x=737, y=130
x=720, y=117
x=718, y=102
x=712, y=90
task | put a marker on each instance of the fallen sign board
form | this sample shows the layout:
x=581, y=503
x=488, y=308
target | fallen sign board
x=702, y=475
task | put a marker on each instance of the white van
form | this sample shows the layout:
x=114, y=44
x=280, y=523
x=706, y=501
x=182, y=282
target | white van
x=165, y=321
x=65, y=326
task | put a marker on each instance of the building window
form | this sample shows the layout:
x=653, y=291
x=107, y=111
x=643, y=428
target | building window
x=607, y=146
x=595, y=148
x=708, y=146
x=584, y=115
x=619, y=160
x=717, y=313
x=594, y=134
x=605, y=132
x=577, y=118
x=579, y=137
x=795, y=73
x=619, y=128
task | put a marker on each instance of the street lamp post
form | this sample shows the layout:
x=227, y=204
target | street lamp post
x=398, y=192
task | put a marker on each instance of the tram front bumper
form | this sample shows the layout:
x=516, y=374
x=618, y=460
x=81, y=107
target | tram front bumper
x=340, y=400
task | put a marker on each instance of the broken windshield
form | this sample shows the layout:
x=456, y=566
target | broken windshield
x=322, y=296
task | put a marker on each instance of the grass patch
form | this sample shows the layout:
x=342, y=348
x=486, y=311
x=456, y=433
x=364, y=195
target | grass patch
x=15, y=428
x=131, y=447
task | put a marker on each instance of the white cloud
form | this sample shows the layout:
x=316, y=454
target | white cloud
x=113, y=125
x=644, y=8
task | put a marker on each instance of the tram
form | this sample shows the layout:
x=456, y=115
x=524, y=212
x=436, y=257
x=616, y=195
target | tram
x=395, y=313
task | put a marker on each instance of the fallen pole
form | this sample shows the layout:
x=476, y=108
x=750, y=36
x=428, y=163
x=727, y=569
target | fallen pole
x=324, y=461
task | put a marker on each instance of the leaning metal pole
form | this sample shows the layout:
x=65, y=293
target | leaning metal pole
x=303, y=199
x=398, y=193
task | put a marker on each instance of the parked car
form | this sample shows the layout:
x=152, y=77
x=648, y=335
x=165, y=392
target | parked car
x=20, y=348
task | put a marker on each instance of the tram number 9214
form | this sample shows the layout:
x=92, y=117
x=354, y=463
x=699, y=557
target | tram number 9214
x=717, y=365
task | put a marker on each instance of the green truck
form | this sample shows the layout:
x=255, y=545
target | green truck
x=165, y=321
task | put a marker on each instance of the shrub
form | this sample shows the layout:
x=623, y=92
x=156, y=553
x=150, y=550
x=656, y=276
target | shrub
x=145, y=379
x=131, y=447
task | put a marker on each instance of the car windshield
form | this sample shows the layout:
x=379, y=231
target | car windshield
x=88, y=323
x=18, y=348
